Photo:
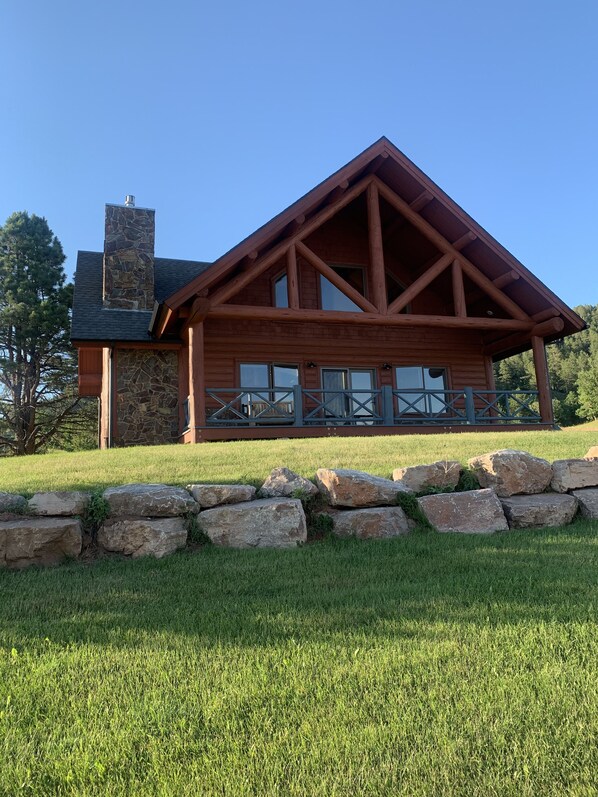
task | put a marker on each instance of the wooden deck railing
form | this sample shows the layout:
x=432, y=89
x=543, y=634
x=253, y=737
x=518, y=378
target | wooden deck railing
x=297, y=406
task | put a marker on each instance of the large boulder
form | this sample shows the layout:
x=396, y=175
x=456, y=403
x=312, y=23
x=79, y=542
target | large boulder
x=143, y=537
x=39, y=541
x=353, y=488
x=370, y=524
x=149, y=500
x=592, y=453
x=511, y=472
x=537, y=511
x=574, y=474
x=436, y=475
x=11, y=502
x=471, y=512
x=588, y=502
x=59, y=503
x=266, y=523
x=209, y=495
x=284, y=482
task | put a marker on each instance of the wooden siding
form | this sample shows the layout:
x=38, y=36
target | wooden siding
x=227, y=345
x=90, y=372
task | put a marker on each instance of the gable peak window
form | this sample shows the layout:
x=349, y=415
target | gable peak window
x=281, y=296
x=332, y=298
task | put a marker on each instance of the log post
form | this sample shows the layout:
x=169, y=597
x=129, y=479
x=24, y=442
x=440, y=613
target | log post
x=197, y=383
x=292, y=279
x=458, y=293
x=542, y=380
x=377, y=273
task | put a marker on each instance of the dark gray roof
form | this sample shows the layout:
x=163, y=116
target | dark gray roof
x=91, y=321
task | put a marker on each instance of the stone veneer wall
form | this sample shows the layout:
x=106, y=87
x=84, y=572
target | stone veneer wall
x=147, y=397
x=129, y=258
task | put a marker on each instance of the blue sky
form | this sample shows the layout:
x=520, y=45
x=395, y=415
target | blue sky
x=221, y=115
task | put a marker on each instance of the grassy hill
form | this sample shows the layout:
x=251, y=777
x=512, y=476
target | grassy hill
x=431, y=664
x=251, y=461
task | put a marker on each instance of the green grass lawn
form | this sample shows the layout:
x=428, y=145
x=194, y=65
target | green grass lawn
x=251, y=461
x=427, y=665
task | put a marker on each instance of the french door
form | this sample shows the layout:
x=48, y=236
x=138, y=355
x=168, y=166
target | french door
x=348, y=394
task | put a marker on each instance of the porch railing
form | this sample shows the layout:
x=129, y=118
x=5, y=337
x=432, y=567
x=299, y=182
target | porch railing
x=297, y=406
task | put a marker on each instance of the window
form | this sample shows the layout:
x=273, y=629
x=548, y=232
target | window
x=272, y=394
x=394, y=289
x=281, y=297
x=334, y=299
x=415, y=378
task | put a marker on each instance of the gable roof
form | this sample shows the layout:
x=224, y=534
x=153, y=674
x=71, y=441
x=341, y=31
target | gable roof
x=92, y=321
x=406, y=180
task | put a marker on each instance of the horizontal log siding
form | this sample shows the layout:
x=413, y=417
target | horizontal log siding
x=227, y=345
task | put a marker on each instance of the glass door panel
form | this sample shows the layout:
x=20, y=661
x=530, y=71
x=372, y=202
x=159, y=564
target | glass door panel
x=343, y=404
x=334, y=379
x=362, y=404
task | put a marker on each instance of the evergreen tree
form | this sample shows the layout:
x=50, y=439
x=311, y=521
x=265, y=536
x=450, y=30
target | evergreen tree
x=37, y=363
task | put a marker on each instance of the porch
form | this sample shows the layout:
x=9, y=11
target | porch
x=236, y=413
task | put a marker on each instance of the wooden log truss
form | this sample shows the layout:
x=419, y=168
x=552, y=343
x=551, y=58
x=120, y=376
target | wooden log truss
x=377, y=311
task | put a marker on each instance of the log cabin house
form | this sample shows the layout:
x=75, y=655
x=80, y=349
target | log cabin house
x=373, y=305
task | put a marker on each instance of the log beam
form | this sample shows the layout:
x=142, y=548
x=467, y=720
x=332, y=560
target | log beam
x=462, y=242
x=418, y=286
x=419, y=203
x=337, y=192
x=500, y=282
x=331, y=275
x=458, y=292
x=441, y=242
x=542, y=379
x=544, y=315
x=197, y=383
x=237, y=284
x=292, y=279
x=229, y=311
x=377, y=271
x=551, y=326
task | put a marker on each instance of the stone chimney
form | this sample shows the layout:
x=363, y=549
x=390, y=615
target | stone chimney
x=129, y=257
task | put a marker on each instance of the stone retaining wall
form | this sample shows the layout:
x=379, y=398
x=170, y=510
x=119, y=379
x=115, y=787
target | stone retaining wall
x=518, y=491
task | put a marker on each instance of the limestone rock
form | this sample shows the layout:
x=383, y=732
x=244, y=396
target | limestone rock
x=354, y=488
x=209, y=495
x=284, y=482
x=142, y=537
x=370, y=524
x=592, y=453
x=537, y=511
x=58, y=503
x=11, y=502
x=39, y=541
x=438, y=474
x=149, y=500
x=588, y=502
x=511, y=472
x=574, y=474
x=266, y=523
x=471, y=512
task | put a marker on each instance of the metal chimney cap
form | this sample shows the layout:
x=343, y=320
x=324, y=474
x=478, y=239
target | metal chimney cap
x=129, y=201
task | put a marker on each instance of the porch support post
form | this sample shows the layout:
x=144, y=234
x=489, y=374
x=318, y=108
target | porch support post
x=542, y=379
x=197, y=383
x=377, y=273
x=388, y=412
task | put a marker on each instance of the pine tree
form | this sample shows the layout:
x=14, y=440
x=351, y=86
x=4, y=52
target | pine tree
x=37, y=363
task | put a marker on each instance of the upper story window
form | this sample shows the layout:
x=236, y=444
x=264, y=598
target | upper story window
x=394, y=289
x=332, y=298
x=281, y=296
